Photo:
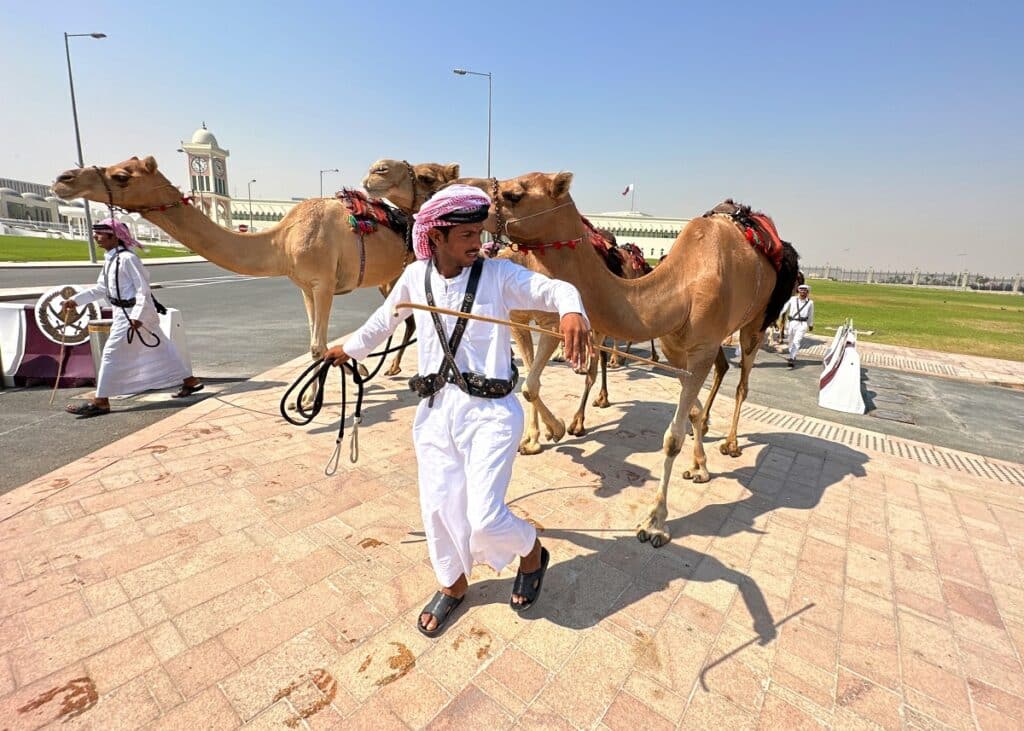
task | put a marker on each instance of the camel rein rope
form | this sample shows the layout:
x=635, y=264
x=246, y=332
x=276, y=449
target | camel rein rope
x=315, y=376
x=182, y=199
x=680, y=372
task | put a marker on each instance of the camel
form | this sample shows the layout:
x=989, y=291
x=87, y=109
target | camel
x=711, y=283
x=408, y=186
x=313, y=245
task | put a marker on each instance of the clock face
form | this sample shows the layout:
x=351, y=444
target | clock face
x=218, y=168
x=199, y=165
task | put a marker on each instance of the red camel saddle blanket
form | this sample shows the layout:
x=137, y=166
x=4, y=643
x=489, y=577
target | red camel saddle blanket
x=365, y=213
x=757, y=227
x=763, y=236
x=636, y=258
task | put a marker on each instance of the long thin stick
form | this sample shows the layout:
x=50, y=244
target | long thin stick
x=541, y=330
x=60, y=362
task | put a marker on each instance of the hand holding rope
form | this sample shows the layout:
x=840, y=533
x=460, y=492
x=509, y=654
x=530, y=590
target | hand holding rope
x=316, y=376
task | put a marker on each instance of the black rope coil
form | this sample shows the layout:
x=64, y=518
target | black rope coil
x=316, y=375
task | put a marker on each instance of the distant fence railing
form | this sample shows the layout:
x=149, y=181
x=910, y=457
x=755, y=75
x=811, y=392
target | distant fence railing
x=56, y=230
x=953, y=280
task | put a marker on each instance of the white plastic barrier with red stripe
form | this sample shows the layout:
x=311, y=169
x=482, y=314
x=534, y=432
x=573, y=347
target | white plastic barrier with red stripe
x=839, y=387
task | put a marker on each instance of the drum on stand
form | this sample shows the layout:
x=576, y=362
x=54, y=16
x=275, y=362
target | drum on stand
x=99, y=331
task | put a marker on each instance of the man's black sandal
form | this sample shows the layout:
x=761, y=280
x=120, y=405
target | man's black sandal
x=185, y=391
x=86, y=410
x=440, y=608
x=528, y=585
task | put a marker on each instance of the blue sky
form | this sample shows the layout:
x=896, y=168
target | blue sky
x=875, y=133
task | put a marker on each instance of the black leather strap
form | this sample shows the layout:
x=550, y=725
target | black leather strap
x=451, y=345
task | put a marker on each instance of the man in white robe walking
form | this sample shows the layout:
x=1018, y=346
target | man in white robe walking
x=467, y=430
x=799, y=314
x=137, y=356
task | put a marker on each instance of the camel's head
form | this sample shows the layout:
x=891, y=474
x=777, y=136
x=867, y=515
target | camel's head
x=405, y=185
x=133, y=184
x=528, y=206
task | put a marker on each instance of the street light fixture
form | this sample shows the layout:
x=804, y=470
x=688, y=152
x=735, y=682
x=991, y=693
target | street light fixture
x=250, y=203
x=464, y=72
x=78, y=136
x=328, y=170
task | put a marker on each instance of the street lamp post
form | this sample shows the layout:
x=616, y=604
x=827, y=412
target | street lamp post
x=464, y=72
x=78, y=136
x=250, y=203
x=328, y=170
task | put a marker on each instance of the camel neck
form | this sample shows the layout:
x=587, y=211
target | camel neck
x=256, y=254
x=630, y=309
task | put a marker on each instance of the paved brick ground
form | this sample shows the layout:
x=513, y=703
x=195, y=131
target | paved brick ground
x=205, y=574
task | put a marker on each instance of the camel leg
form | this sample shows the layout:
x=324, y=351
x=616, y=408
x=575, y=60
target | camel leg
x=602, y=401
x=578, y=428
x=614, y=361
x=531, y=435
x=721, y=368
x=307, y=300
x=396, y=363
x=653, y=528
x=654, y=352
x=554, y=427
x=322, y=297
x=750, y=341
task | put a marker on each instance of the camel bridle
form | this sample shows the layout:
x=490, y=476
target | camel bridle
x=182, y=200
x=501, y=226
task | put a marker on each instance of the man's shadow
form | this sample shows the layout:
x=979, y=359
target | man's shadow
x=618, y=570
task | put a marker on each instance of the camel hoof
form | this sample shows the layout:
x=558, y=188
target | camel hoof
x=602, y=402
x=702, y=477
x=730, y=450
x=363, y=372
x=655, y=537
x=529, y=448
x=614, y=365
x=557, y=433
x=393, y=371
x=576, y=428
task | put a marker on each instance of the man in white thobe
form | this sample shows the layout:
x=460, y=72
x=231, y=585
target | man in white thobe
x=137, y=356
x=466, y=440
x=799, y=314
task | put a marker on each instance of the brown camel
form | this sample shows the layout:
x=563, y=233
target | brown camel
x=408, y=186
x=712, y=283
x=313, y=245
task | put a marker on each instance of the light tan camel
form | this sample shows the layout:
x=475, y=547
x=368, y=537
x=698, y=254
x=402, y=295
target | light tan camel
x=313, y=245
x=711, y=283
x=408, y=186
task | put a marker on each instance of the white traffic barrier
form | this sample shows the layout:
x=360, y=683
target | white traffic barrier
x=839, y=384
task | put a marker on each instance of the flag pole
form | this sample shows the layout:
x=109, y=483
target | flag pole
x=632, y=200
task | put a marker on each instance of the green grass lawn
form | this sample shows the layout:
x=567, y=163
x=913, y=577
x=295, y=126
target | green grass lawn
x=974, y=323
x=31, y=248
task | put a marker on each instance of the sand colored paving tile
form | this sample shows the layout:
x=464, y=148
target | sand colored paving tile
x=205, y=573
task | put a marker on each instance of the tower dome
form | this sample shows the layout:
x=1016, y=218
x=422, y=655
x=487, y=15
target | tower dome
x=203, y=136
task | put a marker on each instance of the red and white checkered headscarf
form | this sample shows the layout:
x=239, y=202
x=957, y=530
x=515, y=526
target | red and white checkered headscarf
x=448, y=200
x=120, y=231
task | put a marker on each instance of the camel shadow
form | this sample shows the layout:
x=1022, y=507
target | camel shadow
x=791, y=472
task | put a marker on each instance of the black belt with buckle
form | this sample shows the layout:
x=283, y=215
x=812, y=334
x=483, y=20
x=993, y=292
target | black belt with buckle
x=476, y=384
x=122, y=303
x=800, y=319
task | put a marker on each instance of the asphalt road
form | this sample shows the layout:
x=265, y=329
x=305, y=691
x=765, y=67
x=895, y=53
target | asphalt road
x=237, y=327
x=240, y=326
